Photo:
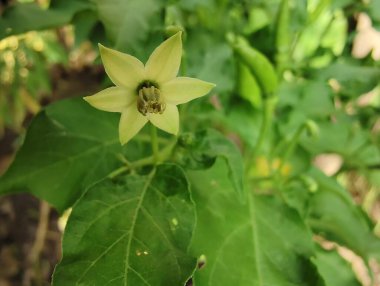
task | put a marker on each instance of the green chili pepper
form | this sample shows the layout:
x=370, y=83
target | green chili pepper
x=258, y=64
x=318, y=10
x=248, y=87
x=282, y=35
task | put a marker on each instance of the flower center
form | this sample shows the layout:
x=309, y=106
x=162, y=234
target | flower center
x=150, y=100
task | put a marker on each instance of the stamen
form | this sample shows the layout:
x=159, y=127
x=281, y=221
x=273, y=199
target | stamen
x=150, y=101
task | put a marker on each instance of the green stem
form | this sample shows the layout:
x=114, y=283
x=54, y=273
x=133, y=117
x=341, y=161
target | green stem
x=290, y=148
x=154, y=141
x=162, y=155
x=118, y=171
x=269, y=107
x=293, y=142
x=279, y=181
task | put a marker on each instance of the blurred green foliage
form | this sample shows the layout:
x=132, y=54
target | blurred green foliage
x=327, y=102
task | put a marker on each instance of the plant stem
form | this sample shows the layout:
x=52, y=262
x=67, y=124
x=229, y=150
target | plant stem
x=269, y=106
x=293, y=142
x=279, y=180
x=162, y=155
x=118, y=171
x=154, y=141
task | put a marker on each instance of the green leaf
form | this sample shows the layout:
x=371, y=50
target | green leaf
x=346, y=73
x=211, y=59
x=336, y=4
x=374, y=10
x=334, y=269
x=333, y=214
x=128, y=23
x=339, y=136
x=85, y=24
x=132, y=231
x=200, y=150
x=289, y=93
x=259, y=242
x=307, y=100
x=68, y=147
x=247, y=131
x=216, y=66
x=194, y=4
x=258, y=19
x=23, y=17
x=310, y=98
x=297, y=194
x=316, y=99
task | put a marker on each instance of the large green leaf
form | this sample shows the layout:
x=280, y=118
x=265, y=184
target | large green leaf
x=201, y=149
x=334, y=269
x=131, y=231
x=68, y=146
x=24, y=17
x=333, y=214
x=260, y=242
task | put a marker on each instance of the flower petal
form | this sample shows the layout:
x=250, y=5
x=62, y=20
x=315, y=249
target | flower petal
x=113, y=99
x=163, y=64
x=131, y=122
x=167, y=121
x=124, y=70
x=184, y=89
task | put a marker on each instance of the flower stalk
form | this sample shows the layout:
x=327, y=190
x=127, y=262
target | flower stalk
x=154, y=141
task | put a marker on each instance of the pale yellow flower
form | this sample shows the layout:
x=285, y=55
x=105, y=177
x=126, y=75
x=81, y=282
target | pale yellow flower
x=147, y=93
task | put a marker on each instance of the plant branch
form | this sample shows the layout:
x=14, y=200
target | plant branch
x=268, y=111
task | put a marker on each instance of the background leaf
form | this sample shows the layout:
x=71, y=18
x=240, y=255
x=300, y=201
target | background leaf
x=132, y=231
